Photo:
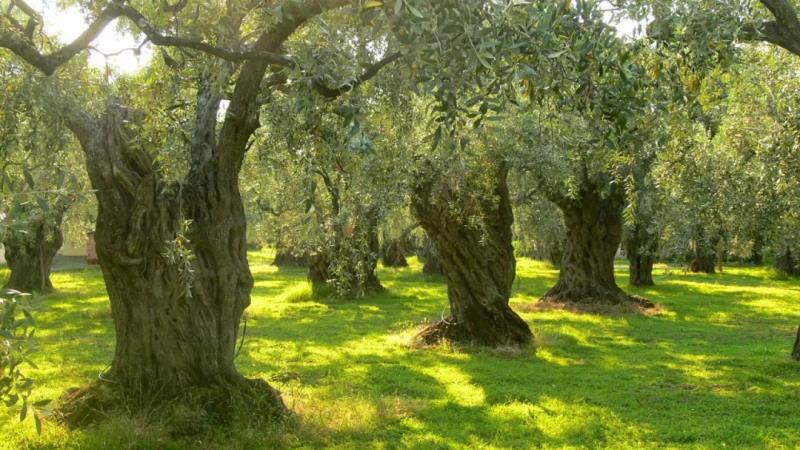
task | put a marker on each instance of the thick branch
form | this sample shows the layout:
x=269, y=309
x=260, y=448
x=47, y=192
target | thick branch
x=160, y=39
x=368, y=73
x=49, y=63
x=242, y=117
x=784, y=31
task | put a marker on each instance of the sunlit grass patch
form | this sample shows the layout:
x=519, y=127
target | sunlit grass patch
x=712, y=371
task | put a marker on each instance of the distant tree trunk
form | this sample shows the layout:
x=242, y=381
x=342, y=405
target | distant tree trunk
x=640, y=259
x=431, y=265
x=757, y=252
x=288, y=258
x=350, y=265
x=394, y=250
x=796, y=348
x=594, y=232
x=30, y=254
x=641, y=270
x=704, y=258
x=394, y=253
x=786, y=263
x=479, y=266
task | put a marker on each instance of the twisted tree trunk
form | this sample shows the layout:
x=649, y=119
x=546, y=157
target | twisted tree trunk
x=30, y=254
x=176, y=298
x=479, y=266
x=594, y=232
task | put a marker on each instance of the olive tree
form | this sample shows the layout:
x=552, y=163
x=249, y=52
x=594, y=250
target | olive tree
x=173, y=249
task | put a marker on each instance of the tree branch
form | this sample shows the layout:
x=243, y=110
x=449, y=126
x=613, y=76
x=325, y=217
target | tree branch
x=160, y=39
x=784, y=31
x=49, y=63
x=369, y=72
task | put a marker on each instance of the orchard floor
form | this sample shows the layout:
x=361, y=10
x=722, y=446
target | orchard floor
x=713, y=371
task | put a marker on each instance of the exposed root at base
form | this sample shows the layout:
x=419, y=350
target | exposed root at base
x=448, y=331
x=193, y=412
x=627, y=304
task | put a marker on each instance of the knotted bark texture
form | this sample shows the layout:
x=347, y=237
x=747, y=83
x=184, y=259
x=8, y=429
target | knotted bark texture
x=478, y=264
x=594, y=230
x=177, y=296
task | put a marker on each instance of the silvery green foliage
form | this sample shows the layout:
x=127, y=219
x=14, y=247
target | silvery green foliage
x=16, y=330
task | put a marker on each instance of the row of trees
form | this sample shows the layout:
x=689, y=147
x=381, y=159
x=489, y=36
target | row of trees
x=339, y=143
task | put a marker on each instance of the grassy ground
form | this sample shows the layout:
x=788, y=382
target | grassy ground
x=712, y=372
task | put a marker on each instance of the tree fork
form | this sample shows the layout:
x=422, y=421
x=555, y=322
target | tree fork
x=176, y=329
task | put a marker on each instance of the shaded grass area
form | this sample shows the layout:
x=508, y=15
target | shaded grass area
x=712, y=371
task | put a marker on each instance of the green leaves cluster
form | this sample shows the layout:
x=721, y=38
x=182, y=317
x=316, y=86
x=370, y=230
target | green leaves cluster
x=17, y=328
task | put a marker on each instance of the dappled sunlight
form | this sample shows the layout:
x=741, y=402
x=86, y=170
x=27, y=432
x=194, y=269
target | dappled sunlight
x=713, y=369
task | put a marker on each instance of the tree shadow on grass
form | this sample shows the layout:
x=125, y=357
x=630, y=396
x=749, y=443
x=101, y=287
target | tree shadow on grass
x=617, y=395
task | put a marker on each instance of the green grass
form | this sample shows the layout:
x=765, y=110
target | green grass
x=712, y=372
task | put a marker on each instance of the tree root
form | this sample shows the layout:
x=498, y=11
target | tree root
x=449, y=330
x=194, y=411
x=619, y=303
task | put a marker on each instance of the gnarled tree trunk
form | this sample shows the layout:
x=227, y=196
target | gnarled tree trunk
x=177, y=296
x=30, y=254
x=479, y=266
x=594, y=231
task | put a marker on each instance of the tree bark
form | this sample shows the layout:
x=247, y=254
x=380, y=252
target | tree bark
x=594, y=231
x=30, y=255
x=479, y=266
x=796, y=348
x=177, y=298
